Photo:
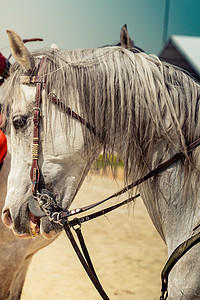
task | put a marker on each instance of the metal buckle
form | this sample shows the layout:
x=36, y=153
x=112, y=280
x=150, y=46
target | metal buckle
x=37, y=108
x=55, y=217
x=77, y=225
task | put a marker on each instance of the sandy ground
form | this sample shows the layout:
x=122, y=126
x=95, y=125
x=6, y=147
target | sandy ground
x=126, y=250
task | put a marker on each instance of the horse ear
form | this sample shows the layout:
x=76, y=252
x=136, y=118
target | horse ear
x=125, y=39
x=20, y=52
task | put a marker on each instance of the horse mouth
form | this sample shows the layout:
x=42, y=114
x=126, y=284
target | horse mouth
x=31, y=220
x=34, y=224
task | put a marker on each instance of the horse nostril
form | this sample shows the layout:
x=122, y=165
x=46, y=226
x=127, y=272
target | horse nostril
x=7, y=219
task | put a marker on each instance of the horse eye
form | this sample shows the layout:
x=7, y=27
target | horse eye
x=19, y=122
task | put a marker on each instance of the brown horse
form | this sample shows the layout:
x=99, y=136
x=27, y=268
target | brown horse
x=15, y=254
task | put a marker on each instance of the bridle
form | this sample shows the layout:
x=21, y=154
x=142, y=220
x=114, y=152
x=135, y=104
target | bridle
x=42, y=202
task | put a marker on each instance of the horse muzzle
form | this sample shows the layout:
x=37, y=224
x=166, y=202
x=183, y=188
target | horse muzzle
x=40, y=205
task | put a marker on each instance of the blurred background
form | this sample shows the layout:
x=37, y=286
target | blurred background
x=92, y=23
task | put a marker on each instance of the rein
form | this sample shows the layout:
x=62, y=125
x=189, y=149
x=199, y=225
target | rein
x=42, y=202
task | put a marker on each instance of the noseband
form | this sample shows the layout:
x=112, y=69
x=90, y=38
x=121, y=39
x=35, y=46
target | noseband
x=42, y=202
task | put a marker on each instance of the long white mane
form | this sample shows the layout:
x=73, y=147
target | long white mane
x=125, y=94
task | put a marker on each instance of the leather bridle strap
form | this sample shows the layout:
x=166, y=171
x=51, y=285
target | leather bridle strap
x=160, y=168
x=102, y=212
x=35, y=172
x=85, y=260
x=84, y=257
x=70, y=112
x=175, y=256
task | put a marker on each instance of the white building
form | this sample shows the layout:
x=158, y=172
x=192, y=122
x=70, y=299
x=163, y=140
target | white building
x=183, y=51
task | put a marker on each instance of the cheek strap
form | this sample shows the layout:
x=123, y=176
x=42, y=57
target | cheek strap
x=35, y=171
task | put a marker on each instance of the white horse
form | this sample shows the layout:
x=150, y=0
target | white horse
x=141, y=108
x=12, y=281
x=15, y=254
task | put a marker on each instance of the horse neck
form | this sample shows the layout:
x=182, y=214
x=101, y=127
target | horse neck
x=142, y=130
x=171, y=199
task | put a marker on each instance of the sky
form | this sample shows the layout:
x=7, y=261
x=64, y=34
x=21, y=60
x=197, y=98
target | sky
x=92, y=23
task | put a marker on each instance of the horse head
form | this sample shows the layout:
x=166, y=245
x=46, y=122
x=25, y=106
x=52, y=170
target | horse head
x=61, y=160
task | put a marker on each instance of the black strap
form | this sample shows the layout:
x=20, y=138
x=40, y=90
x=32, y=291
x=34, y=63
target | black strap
x=85, y=257
x=175, y=256
x=77, y=221
x=85, y=251
x=84, y=262
x=161, y=167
